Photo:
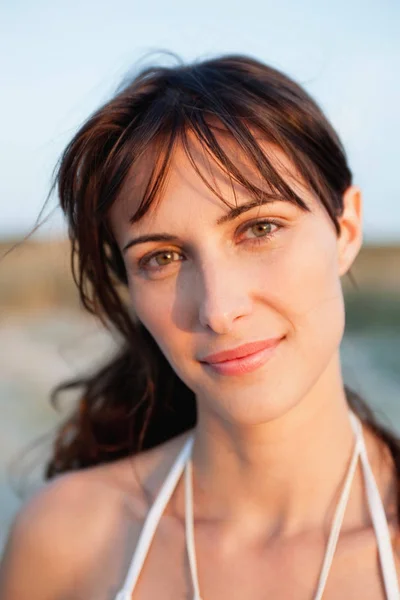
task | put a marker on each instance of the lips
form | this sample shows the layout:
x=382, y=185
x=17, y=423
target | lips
x=241, y=351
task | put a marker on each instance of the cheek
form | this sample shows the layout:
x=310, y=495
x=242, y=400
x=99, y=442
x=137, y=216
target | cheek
x=155, y=308
x=310, y=288
x=153, y=305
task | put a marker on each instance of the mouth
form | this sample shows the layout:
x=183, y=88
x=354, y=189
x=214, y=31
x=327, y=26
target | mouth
x=244, y=359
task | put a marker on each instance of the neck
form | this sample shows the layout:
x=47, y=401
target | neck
x=286, y=473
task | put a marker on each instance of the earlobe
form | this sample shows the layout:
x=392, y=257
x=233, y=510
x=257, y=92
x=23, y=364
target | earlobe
x=351, y=235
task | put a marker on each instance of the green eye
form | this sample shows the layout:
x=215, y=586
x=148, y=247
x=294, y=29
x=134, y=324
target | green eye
x=159, y=260
x=261, y=229
x=164, y=258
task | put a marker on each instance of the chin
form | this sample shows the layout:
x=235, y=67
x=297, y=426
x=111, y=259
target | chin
x=272, y=393
x=250, y=403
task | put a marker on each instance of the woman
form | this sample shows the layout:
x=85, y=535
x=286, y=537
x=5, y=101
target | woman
x=219, y=455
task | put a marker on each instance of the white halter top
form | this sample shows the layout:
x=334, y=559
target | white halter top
x=183, y=463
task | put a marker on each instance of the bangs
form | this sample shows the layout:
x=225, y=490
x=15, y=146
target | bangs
x=238, y=152
x=231, y=107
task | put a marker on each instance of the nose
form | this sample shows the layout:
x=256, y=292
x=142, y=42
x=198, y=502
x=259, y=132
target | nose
x=224, y=298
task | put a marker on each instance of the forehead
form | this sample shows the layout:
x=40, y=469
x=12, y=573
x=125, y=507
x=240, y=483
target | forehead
x=196, y=181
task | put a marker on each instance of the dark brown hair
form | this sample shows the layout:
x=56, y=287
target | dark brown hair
x=136, y=401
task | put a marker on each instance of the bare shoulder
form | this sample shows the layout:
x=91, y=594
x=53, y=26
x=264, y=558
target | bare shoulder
x=59, y=535
x=45, y=547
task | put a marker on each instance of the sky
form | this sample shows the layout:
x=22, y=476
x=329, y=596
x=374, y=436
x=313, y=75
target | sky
x=60, y=61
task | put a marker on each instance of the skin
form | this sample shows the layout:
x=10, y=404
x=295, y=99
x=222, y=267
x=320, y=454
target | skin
x=275, y=437
x=222, y=286
x=280, y=435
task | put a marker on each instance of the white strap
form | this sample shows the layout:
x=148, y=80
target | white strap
x=123, y=595
x=337, y=522
x=374, y=502
x=377, y=514
x=189, y=526
x=380, y=524
x=333, y=537
x=152, y=520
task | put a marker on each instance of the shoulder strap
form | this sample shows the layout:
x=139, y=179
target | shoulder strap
x=379, y=521
x=333, y=537
x=152, y=520
x=337, y=521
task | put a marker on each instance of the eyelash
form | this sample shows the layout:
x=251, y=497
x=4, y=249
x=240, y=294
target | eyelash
x=143, y=263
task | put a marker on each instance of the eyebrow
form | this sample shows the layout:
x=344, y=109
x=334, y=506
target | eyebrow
x=232, y=214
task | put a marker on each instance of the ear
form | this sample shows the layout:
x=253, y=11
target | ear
x=351, y=236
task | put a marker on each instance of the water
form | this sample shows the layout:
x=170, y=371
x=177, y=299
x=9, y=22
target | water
x=39, y=352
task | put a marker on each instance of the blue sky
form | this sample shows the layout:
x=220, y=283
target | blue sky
x=60, y=60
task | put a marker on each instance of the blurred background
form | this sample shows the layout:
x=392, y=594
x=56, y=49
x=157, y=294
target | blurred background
x=60, y=61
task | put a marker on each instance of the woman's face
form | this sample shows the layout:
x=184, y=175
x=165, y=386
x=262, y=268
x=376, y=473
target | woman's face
x=205, y=278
